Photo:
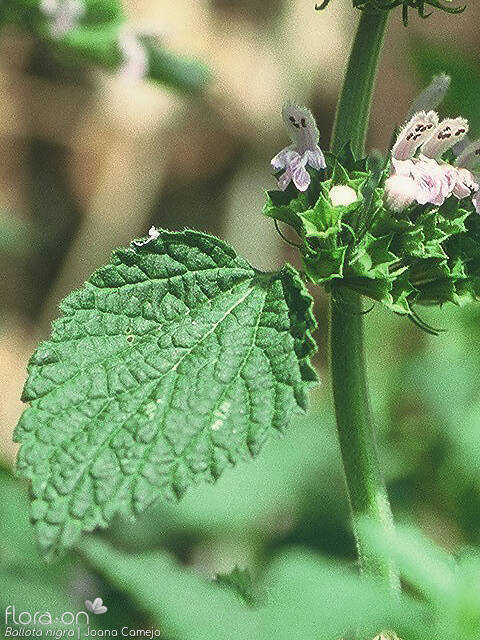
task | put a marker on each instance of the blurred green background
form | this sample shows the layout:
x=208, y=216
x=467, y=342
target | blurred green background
x=89, y=161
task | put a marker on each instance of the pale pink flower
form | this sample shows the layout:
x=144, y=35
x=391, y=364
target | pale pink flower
x=422, y=179
x=426, y=179
x=447, y=133
x=415, y=132
x=135, y=56
x=465, y=184
x=304, y=135
x=433, y=186
x=400, y=192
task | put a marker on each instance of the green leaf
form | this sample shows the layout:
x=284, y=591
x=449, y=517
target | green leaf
x=26, y=581
x=311, y=598
x=185, y=74
x=251, y=500
x=181, y=603
x=308, y=598
x=173, y=362
x=373, y=258
x=324, y=264
x=428, y=568
x=280, y=205
x=240, y=582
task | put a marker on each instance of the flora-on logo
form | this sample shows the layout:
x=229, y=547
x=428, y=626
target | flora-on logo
x=96, y=606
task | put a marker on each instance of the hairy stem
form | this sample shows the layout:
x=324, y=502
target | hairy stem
x=365, y=485
x=353, y=109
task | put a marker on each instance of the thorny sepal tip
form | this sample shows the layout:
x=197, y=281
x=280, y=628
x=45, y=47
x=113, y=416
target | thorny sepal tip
x=421, y=6
x=403, y=230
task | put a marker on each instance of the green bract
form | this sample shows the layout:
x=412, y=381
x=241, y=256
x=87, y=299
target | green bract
x=425, y=255
x=173, y=362
x=421, y=6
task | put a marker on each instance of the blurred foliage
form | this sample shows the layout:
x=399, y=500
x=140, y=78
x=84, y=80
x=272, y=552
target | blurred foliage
x=100, y=35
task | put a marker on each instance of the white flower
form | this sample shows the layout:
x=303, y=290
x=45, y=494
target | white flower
x=64, y=15
x=400, y=192
x=431, y=96
x=445, y=136
x=415, y=132
x=135, y=56
x=342, y=195
x=304, y=134
x=434, y=181
x=470, y=156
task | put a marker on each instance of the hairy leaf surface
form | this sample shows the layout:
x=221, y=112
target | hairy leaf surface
x=172, y=362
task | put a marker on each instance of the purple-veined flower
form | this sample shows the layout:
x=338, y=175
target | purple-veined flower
x=303, y=151
x=444, y=137
x=414, y=134
x=63, y=14
x=427, y=177
x=433, y=184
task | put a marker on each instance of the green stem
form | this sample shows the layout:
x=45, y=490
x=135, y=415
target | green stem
x=353, y=109
x=365, y=485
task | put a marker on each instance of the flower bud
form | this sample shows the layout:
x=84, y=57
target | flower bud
x=400, y=192
x=342, y=195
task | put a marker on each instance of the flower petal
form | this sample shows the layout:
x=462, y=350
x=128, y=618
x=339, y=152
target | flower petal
x=301, y=178
x=432, y=96
x=413, y=134
x=315, y=158
x=283, y=158
x=470, y=156
x=284, y=180
x=446, y=135
x=301, y=126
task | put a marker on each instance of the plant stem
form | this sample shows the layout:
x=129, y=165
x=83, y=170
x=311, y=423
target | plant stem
x=366, y=488
x=353, y=109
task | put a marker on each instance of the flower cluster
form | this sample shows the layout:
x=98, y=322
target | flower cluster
x=418, y=173
x=402, y=230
